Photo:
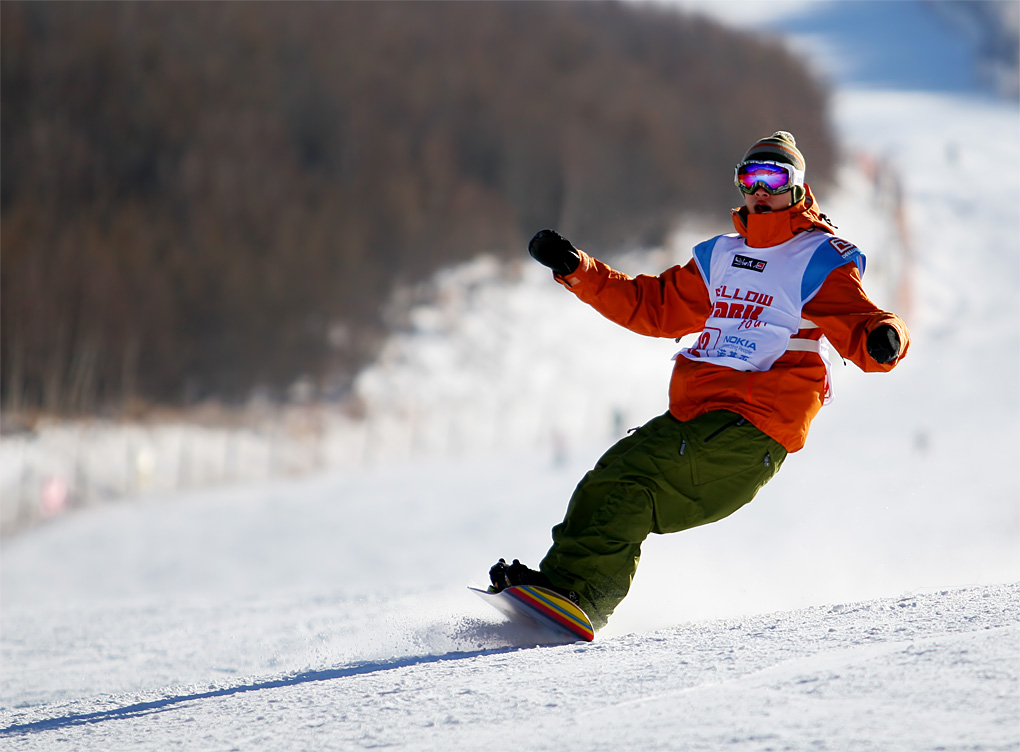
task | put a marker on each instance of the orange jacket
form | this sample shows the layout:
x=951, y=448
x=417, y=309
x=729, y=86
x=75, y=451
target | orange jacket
x=781, y=401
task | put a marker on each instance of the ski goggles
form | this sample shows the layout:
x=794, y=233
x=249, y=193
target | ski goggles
x=774, y=177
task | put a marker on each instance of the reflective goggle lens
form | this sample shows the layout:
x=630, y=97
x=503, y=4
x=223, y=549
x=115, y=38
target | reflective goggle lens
x=773, y=178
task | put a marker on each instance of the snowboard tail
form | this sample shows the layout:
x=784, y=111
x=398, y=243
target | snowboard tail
x=541, y=606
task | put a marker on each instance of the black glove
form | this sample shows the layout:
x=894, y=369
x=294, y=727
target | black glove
x=551, y=249
x=884, y=344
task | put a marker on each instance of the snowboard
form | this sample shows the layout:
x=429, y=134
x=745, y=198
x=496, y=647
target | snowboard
x=541, y=606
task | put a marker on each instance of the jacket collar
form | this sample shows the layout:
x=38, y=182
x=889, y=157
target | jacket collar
x=774, y=228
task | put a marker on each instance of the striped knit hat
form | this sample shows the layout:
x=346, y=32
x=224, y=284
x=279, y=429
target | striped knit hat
x=781, y=146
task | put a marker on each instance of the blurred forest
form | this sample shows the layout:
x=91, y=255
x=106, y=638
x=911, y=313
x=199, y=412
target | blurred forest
x=204, y=200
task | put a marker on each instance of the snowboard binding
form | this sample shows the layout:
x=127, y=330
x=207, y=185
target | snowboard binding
x=503, y=576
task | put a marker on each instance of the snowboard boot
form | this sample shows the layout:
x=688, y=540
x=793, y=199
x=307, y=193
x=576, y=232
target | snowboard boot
x=503, y=575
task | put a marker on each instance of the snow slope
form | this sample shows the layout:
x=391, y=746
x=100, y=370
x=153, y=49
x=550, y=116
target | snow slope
x=930, y=671
x=867, y=600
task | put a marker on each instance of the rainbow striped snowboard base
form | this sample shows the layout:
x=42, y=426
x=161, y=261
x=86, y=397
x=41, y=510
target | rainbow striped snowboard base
x=543, y=607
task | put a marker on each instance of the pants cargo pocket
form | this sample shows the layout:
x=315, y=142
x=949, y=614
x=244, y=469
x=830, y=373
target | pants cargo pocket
x=729, y=460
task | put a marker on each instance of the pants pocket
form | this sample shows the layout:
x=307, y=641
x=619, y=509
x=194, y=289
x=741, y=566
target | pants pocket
x=728, y=461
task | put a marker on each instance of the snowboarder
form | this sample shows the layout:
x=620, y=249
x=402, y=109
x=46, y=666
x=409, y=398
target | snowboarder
x=765, y=301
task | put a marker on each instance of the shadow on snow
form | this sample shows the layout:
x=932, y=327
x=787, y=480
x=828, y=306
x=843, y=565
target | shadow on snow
x=519, y=639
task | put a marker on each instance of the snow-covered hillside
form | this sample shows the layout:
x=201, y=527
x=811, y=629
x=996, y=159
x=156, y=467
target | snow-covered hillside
x=926, y=671
x=867, y=600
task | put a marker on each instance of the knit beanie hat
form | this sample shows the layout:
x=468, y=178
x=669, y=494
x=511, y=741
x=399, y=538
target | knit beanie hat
x=781, y=146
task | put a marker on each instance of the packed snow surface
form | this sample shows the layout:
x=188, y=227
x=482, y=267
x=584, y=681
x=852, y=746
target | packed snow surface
x=867, y=600
x=929, y=671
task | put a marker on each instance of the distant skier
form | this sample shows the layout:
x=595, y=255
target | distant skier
x=765, y=301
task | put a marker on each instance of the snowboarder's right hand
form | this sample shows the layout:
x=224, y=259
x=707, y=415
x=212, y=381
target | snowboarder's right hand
x=551, y=249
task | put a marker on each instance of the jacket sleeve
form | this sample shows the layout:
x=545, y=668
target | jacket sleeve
x=845, y=315
x=672, y=304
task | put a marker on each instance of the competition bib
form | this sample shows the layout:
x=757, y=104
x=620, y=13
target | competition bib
x=758, y=294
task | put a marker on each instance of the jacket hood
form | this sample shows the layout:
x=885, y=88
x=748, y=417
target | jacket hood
x=773, y=228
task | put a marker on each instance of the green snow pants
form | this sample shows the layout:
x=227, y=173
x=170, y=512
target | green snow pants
x=664, y=477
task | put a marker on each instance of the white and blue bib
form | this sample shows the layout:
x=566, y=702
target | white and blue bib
x=758, y=294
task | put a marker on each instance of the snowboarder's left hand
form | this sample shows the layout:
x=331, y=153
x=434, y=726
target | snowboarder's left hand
x=884, y=344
